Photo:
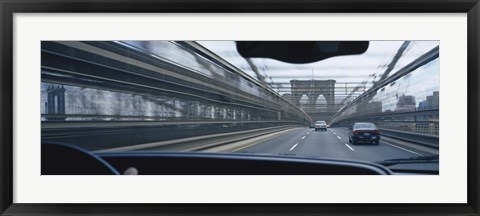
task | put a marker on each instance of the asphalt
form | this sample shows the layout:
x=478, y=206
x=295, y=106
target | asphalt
x=333, y=143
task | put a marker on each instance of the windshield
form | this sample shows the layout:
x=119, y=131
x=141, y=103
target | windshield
x=205, y=96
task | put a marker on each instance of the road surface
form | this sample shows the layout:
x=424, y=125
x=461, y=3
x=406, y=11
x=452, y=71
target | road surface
x=333, y=143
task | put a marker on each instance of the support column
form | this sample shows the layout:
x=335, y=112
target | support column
x=296, y=93
x=60, y=93
x=330, y=96
x=51, y=100
x=55, y=103
x=312, y=101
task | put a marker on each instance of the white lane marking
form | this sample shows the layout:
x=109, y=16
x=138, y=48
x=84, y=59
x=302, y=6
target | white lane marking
x=303, y=137
x=403, y=149
x=339, y=137
x=349, y=147
x=293, y=146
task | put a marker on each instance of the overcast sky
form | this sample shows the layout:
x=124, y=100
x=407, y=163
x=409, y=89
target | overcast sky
x=352, y=69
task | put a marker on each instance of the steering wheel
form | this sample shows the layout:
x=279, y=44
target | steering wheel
x=64, y=159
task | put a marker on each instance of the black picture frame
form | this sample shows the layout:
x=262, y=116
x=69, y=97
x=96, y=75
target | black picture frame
x=9, y=7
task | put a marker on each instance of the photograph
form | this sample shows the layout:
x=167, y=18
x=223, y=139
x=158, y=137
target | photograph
x=202, y=107
x=226, y=107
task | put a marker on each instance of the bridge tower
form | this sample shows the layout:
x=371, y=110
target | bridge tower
x=55, y=102
x=313, y=89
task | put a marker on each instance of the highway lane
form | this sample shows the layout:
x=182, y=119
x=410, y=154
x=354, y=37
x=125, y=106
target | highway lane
x=332, y=143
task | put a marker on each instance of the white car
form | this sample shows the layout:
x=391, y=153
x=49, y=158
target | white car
x=320, y=125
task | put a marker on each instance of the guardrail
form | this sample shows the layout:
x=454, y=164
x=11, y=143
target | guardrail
x=200, y=142
x=416, y=138
x=118, y=68
x=422, y=139
x=98, y=135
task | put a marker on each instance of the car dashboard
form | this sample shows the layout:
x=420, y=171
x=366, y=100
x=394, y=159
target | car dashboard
x=62, y=159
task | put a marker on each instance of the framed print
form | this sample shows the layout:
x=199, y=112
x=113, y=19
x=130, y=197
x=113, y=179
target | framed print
x=210, y=107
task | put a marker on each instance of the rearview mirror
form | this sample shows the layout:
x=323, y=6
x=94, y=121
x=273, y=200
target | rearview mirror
x=300, y=51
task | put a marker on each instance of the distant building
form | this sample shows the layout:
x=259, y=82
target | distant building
x=406, y=103
x=421, y=105
x=433, y=101
x=430, y=124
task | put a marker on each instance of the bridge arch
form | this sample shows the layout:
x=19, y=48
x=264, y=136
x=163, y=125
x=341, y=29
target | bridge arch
x=313, y=89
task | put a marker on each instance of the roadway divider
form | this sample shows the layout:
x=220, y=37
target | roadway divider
x=200, y=143
x=421, y=139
